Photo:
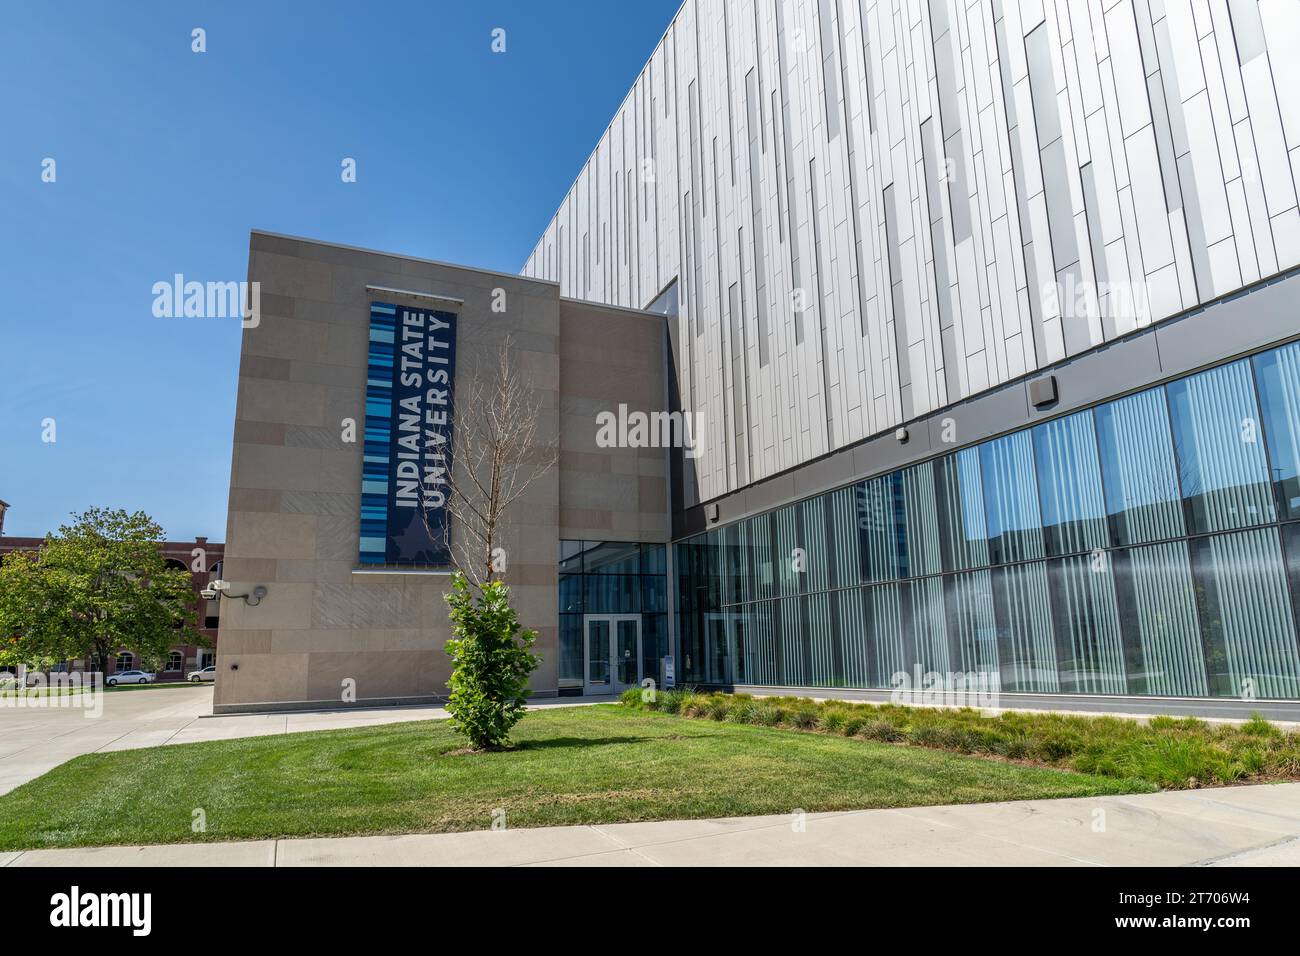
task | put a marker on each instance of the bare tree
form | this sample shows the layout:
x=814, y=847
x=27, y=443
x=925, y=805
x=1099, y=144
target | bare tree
x=497, y=454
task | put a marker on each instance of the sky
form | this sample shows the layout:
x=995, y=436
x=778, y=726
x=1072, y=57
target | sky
x=165, y=159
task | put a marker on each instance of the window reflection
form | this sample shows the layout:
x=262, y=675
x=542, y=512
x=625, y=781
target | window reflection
x=1132, y=548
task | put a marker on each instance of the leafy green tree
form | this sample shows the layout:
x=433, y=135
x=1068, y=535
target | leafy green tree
x=97, y=585
x=491, y=659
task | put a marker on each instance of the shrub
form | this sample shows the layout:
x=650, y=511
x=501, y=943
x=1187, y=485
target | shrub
x=670, y=701
x=1257, y=726
x=695, y=705
x=1014, y=745
x=717, y=707
x=491, y=658
x=852, y=724
x=1166, y=751
x=878, y=728
x=631, y=697
x=954, y=738
x=832, y=719
x=805, y=717
x=1057, y=746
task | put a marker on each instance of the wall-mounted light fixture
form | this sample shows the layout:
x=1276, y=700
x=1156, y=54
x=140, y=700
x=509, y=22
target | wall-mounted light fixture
x=220, y=589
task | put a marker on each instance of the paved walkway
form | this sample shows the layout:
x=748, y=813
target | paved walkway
x=34, y=740
x=1233, y=826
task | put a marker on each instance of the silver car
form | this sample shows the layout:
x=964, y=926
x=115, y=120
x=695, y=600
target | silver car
x=207, y=673
x=129, y=677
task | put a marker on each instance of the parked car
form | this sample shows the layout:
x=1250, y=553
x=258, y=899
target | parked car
x=129, y=677
x=207, y=673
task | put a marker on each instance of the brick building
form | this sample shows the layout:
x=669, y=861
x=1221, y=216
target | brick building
x=203, y=560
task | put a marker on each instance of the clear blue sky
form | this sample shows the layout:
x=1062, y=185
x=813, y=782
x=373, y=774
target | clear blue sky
x=167, y=158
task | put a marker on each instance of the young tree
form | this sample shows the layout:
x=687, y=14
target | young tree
x=497, y=453
x=97, y=585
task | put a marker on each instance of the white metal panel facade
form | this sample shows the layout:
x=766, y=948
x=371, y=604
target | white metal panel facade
x=876, y=208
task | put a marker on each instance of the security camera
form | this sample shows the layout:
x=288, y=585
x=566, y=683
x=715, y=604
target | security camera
x=220, y=585
x=208, y=594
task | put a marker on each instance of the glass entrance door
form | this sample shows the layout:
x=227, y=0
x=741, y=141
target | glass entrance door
x=612, y=653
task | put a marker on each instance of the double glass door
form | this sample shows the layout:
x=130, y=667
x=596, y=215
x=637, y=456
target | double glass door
x=611, y=653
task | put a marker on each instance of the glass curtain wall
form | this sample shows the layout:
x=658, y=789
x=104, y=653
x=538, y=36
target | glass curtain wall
x=1149, y=545
x=612, y=577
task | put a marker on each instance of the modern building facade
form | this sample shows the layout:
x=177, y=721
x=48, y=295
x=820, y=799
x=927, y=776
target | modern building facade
x=316, y=426
x=961, y=307
x=980, y=318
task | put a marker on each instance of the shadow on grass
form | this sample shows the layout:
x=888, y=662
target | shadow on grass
x=554, y=742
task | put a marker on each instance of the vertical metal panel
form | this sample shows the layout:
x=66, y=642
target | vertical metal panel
x=912, y=172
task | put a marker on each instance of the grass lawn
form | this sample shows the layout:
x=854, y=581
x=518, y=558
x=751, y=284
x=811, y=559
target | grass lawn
x=580, y=765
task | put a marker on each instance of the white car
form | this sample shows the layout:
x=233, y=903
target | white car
x=207, y=673
x=129, y=677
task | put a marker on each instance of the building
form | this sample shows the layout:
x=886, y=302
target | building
x=979, y=316
x=203, y=560
x=314, y=509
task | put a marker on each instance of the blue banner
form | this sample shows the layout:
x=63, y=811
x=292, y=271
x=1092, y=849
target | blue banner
x=407, y=457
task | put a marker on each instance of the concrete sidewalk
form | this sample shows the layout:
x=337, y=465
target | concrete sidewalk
x=1232, y=826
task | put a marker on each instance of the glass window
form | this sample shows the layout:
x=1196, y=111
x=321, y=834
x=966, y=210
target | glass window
x=1138, y=470
x=881, y=541
x=823, y=652
x=570, y=592
x=1089, y=653
x=1069, y=484
x=816, y=558
x=125, y=661
x=1278, y=374
x=653, y=559
x=1026, y=646
x=886, y=656
x=611, y=557
x=1157, y=608
x=959, y=501
x=1220, y=449
x=654, y=596
x=570, y=556
x=570, y=666
x=972, y=630
x=788, y=580
x=761, y=562
x=921, y=520
x=843, y=545
x=612, y=593
x=792, y=646
x=852, y=637
x=175, y=661
x=734, y=558
x=1246, y=616
x=927, y=626
x=1057, y=558
x=654, y=645
x=1011, y=498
